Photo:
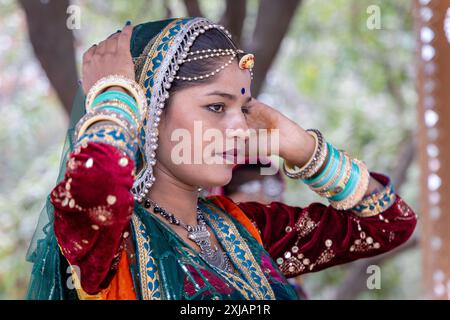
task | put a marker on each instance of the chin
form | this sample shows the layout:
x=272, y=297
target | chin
x=217, y=175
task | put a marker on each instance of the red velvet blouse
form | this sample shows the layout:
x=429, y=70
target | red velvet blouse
x=93, y=206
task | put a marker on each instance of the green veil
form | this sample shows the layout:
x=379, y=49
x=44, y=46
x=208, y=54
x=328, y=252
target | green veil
x=48, y=268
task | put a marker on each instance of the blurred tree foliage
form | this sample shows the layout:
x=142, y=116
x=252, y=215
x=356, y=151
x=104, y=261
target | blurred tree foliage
x=332, y=72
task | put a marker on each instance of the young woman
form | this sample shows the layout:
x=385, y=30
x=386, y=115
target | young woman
x=126, y=215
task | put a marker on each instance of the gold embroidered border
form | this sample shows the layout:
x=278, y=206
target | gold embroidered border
x=248, y=254
x=143, y=257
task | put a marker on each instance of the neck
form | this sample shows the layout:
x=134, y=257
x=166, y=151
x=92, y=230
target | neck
x=175, y=196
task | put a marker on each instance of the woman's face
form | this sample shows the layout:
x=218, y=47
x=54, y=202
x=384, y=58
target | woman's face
x=202, y=127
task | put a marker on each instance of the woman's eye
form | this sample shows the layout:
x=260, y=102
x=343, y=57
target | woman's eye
x=216, y=107
x=245, y=110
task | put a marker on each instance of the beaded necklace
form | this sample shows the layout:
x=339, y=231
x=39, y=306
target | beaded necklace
x=198, y=233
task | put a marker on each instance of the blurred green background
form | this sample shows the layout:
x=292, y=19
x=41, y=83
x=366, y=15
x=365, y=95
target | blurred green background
x=331, y=72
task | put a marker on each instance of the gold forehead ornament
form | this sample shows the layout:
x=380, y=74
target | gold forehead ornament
x=247, y=61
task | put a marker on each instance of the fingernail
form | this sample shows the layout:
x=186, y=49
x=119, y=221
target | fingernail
x=128, y=23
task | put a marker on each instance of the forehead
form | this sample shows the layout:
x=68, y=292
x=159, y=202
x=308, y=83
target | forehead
x=231, y=78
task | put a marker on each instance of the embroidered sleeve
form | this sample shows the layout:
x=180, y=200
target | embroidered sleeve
x=92, y=209
x=309, y=239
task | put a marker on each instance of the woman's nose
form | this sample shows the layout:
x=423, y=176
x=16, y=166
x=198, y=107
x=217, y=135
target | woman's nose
x=238, y=128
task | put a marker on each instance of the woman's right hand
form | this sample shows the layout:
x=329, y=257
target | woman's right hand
x=111, y=56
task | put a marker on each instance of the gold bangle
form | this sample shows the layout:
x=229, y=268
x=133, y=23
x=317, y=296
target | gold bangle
x=119, y=104
x=114, y=80
x=341, y=184
x=346, y=171
x=93, y=117
x=126, y=145
x=332, y=180
x=363, y=184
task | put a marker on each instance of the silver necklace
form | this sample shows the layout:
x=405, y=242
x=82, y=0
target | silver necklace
x=197, y=233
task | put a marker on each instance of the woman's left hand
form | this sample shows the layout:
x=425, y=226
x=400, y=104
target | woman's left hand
x=294, y=144
x=112, y=56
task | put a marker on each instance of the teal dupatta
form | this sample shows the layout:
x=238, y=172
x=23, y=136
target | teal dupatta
x=167, y=265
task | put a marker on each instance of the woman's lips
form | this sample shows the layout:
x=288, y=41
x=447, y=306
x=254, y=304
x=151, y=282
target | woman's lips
x=231, y=156
x=231, y=152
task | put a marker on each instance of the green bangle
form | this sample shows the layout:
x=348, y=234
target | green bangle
x=114, y=95
x=120, y=111
x=335, y=160
x=341, y=173
x=125, y=98
x=350, y=186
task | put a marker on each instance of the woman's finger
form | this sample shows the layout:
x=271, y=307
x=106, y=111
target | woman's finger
x=101, y=48
x=87, y=56
x=125, y=38
x=113, y=34
x=261, y=117
x=111, y=43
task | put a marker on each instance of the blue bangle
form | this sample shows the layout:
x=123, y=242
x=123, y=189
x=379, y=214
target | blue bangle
x=335, y=157
x=114, y=95
x=125, y=98
x=341, y=173
x=122, y=112
x=350, y=186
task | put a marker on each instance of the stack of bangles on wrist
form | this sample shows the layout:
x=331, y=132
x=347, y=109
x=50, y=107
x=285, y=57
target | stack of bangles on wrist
x=343, y=180
x=120, y=113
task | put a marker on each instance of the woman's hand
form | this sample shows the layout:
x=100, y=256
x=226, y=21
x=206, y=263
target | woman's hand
x=111, y=56
x=294, y=144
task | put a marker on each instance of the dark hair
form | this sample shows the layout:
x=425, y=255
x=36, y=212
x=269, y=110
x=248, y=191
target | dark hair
x=244, y=173
x=211, y=39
